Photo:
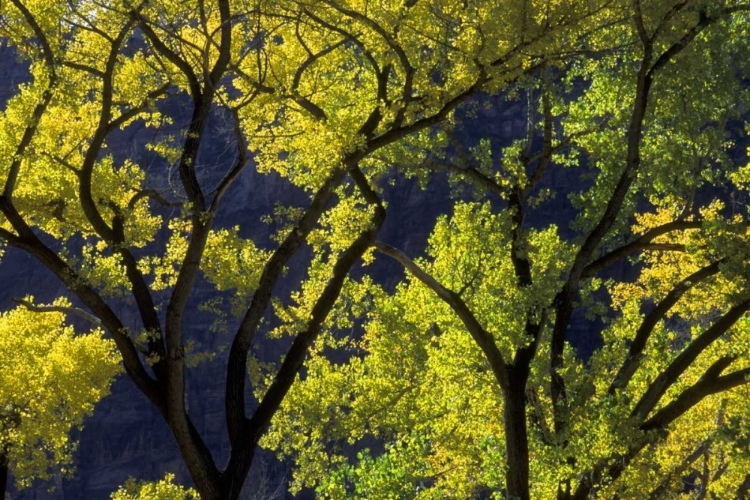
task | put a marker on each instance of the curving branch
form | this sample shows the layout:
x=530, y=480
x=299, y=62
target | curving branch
x=482, y=337
x=76, y=311
x=28, y=241
x=704, y=22
x=564, y=299
x=382, y=75
x=471, y=173
x=245, y=443
x=684, y=360
x=39, y=109
x=712, y=382
x=237, y=168
x=237, y=362
x=389, y=39
x=306, y=103
x=145, y=25
x=663, y=488
x=643, y=242
x=635, y=353
x=135, y=111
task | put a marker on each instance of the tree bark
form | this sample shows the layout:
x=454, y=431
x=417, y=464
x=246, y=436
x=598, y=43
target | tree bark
x=516, y=439
x=3, y=475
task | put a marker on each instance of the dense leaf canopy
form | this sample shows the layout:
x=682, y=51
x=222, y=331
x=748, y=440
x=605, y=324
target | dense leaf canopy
x=465, y=371
x=50, y=379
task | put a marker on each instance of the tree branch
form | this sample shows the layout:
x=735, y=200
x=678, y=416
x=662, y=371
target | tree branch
x=631, y=363
x=62, y=309
x=237, y=363
x=39, y=109
x=684, y=360
x=484, y=339
x=244, y=443
x=642, y=243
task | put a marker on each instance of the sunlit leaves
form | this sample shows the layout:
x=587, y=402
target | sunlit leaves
x=50, y=380
x=164, y=489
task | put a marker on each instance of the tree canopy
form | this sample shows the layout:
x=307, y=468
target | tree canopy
x=50, y=379
x=159, y=490
x=465, y=371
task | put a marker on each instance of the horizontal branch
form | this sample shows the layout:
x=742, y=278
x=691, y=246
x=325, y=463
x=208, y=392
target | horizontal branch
x=644, y=242
x=77, y=311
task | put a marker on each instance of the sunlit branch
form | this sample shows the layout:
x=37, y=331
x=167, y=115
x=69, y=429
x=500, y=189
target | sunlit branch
x=29, y=242
x=564, y=300
x=635, y=353
x=237, y=363
x=663, y=488
x=309, y=106
x=135, y=111
x=403, y=59
x=481, y=336
x=77, y=311
x=684, y=360
x=169, y=54
x=253, y=428
x=712, y=382
x=36, y=116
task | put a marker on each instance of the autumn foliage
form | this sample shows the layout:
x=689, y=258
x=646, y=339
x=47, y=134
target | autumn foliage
x=465, y=372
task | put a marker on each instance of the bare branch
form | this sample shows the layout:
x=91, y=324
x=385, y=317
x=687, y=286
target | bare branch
x=238, y=167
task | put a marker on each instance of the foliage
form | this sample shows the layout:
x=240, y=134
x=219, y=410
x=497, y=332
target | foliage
x=339, y=97
x=50, y=380
x=159, y=490
x=661, y=185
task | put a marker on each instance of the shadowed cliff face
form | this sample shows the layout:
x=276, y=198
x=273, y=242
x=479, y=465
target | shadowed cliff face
x=126, y=436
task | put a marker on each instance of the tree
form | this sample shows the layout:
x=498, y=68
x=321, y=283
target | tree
x=50, y=379
x=160, y=490
x=328, y=94
x=467, y=372
x=333, y=96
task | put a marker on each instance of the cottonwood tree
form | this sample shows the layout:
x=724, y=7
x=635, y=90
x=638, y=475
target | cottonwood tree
x=467, y=370
x=330, y=94
x=164, y=489
x=50, y=380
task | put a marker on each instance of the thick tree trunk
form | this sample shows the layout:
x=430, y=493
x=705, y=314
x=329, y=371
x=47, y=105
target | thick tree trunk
x=516, y=439
x=3, y=475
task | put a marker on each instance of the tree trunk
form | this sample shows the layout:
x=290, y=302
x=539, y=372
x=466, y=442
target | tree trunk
x=3, y=475
x=516, y=439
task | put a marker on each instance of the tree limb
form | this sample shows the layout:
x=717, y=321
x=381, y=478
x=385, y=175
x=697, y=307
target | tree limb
x=77, y=311
x=631, y=363
x=484, y=339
